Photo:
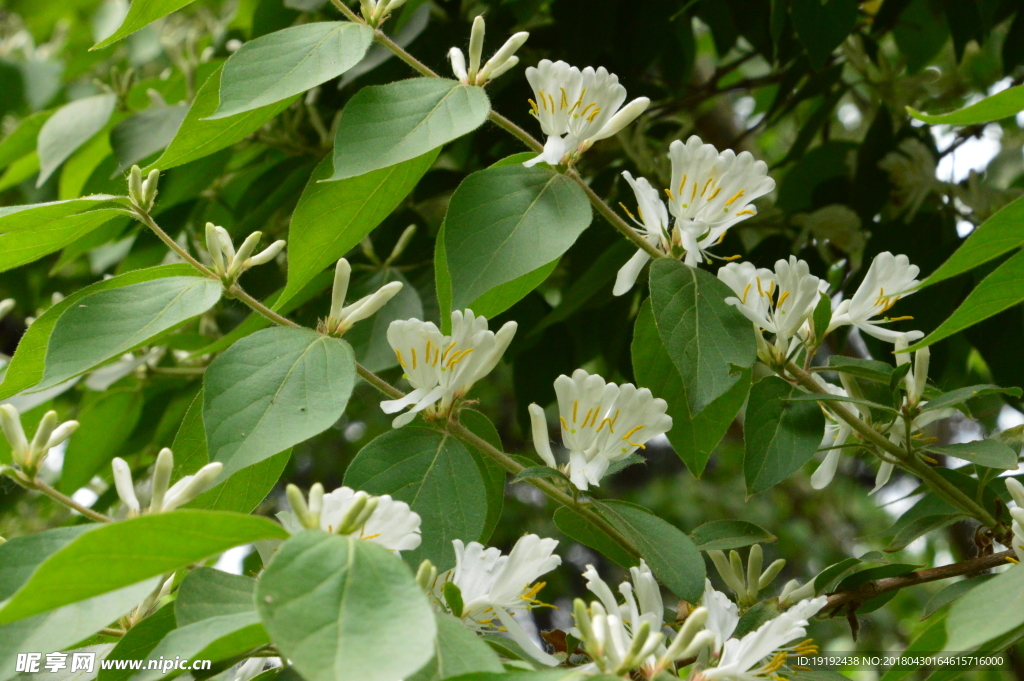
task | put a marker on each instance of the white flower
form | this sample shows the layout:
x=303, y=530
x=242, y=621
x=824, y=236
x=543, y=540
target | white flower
x=6, y=305
x=229, y=264
x=601, y=423
x=652, y=225
x=342, y=317
x=376, y=11
x=889, y=278
x=164, y=497
x=1016, y=491
x=29, y=455
x=723, y=616
x=711, y=192
x=392, y=524
x=836, y=435
x=762, y=648
x=778, y=302
x=492, y=584
x=502, y=61
x=577, y=108
x=443, y=368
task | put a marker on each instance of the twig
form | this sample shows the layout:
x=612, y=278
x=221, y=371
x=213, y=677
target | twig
x=147, y=219
x=41, y=486
x=106, y=631
x=880, y=586
x=614, y=219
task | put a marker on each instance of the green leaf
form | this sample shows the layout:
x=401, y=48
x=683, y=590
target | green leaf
x=989, y=453
x=331, y=218
x=1001, y=105
x=540, y=473
x=383, y=125
x=243, y=491
x=147, y=546
x=1001, y=289
x=722, y=535
x=27, y=365
x=271, y=390
x=22, y=140
x=369, y=337
x=961, y=395
x=457, y=651
x=704, y=337
x=206, y=592
x=104, y=427
x=198, y=137
x=822, y=316
x=918, y=527
x=780, y=435
x=453, y=597
x=971, y=623
x=62, y=628
x=289, y=62
x=494, y=475
x=332, y=604
x=137, y=643
x=507, y=222
x=20, y=556
x=141, y=14
x=931, y=640
x=830, y=576
x=1000, y=234
x=433, y=473
x=870, y=369
x=36, y=216
x=109, y=323
x=693, y=436
x=70, y=127
x=216, y=638
x=822, y=397
x=22, y=247
x=139, y=137
x=952, y=593
x=822, y=26
x=668, y=551
x=579, y=528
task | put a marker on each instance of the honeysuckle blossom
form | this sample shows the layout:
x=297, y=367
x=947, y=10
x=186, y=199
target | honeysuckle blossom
x=601, y=423
x=778, y=302
x=29, y=455
x=577, y=108
x=723, y=616
x=889, y=278
x=342, y=317
x=164, y=497
x=503, y=60
x=652, y=225
x=229, y=264
x=378, y=519
x=711, y=192
x=1016, y=491
x=441, y=369
x=492, y=585
x=760, y=654
x=836, y=435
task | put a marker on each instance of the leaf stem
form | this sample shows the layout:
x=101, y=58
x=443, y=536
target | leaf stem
x=145, y=218
x=907, y=460
x=41, y=486
x=526, y=138
x=879, y=586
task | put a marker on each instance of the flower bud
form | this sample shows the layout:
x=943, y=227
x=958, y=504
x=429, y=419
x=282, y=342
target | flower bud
x=363, y=506
x=400, y=245
x=622, y=118
x=61, y=433
x=502, y=57
x=316, y=503
x=755, y=559
x=342, y=276
x=124, y=485
x=726, y=572
x=769, y=575
x=191, y=486
x=298, y=503
x=1016, y=491
x=149, y=189
x=426, y=575
x=476, y=47
x=161, y=479
x=135, y=185
x=46, y=427
x=220, y=265
x=244, y=251
x=458, y=61
x=266, y=255
x=583, y=622
x=6, y=306
x=510, y=63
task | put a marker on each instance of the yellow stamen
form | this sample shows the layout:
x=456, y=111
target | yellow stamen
x=586, y=418
x=782, y=300
x=682, y=183
x=398, y=354
x=747, y=212
x=626, y=436
x=693, y=194
x=743, y=298
x=623, y=206
x=733, y=199
x=732, y=257
x=586, y=108
x=565, y=100
x=900, y=319
x=413, y=351
x=929, y=459
x=591, y=117
x=715, y=193
x=706, y=185
x=372, y=536
x=1012, y=560
x=575, y=406
x=564, y=424
x=760, y=291
x=458, y=357
x=534, y=109
x=530, y=593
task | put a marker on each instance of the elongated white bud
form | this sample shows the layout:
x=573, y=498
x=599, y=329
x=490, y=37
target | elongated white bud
x=213, y=246
x=342, y=276
x=363, y=506
x=1016, y=491
x=769, y=575
x=149, y=187
x=510, y=63
x=244, y=251
x=61, y=433
x=6, y=306
x=46, y=427
x=622, y=118
x=316, y=503
x=796, y=593
x=539, y=430
x=736, y=565
x=161, y=479
x=10, y=421
x=267, y=254
x=921, y=361
x=426, y=575
x=190, y=487
x=725, y=571
x=899, y=345
x=458, y=61
x=704, y=639
x=755, y=559
x=226, y=246
x=135, y=184
x=368, y=305
x=124, y=485
x=476, y=47
x=299, y=507
x=499, y=58
x=401, y=244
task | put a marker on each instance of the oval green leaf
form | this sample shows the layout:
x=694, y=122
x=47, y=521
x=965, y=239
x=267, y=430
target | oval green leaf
x=1000, y=234
x=141, y=14
x=1001, y=105
x=69, y=128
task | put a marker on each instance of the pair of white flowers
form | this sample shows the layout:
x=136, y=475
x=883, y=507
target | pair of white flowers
x=29, y=455
x=164, y=497
x=378, y=519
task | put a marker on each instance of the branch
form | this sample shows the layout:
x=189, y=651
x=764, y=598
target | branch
x=526, y=138
x=907, y=461
x=880, y=586
x=40, y=486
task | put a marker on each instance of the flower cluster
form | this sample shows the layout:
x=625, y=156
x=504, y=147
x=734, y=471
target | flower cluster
x=342, y=317
x=710, y=193
x=29, y=455
x=164, y=497
x=602, y=423
x=442, y=368
x=503, y=60
x=229, y=264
